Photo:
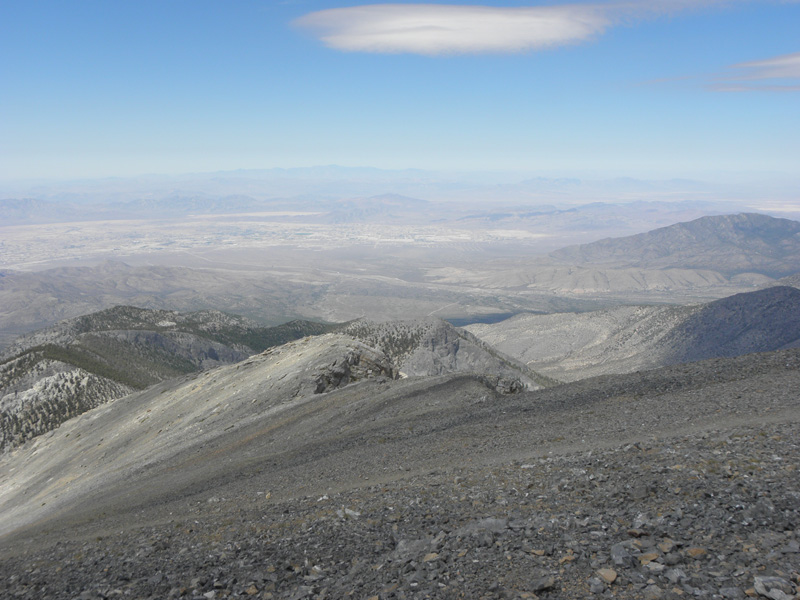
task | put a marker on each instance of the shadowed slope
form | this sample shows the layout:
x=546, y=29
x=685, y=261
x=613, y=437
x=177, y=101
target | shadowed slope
x=754, y=322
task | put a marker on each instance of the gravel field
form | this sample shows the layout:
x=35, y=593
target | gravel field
x=675, y=483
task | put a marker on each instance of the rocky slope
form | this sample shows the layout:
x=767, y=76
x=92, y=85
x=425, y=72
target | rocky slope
x=728, y=244
x=678, y=482
x=123, y=437
x=57, y=373
x=572, y=346
x=790, y=280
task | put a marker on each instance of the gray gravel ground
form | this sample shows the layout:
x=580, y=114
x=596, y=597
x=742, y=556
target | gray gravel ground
x=676, y=483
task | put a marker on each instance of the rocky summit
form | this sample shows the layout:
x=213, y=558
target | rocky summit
x=151, y=454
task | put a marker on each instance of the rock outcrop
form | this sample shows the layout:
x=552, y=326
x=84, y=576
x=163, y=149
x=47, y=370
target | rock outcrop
x=429, y=347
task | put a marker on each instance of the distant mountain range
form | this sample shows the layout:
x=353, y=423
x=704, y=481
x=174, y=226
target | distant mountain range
x=388, y=208
x=338, y=181
x=712, y=256
x=728, y=244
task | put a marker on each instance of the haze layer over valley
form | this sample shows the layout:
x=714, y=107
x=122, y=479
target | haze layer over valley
x=387, y=256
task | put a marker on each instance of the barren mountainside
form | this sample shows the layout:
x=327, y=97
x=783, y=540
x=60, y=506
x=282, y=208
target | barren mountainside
x=247, y=481
x=646, y=449
x=54, y=374
x=60, y=372
x=572, y=346
x=759, y=321
x=728, y=244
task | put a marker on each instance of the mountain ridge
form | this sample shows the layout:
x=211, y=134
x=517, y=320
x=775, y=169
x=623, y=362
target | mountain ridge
x=758, y=321
x=729, y=244
x=431, y=346
x=54, y=374
x=51, y=375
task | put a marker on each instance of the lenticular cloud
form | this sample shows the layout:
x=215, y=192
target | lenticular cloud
x=447, y=29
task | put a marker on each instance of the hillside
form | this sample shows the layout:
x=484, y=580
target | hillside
x=56, y=373
x=790, y=280
x=38, y=299
x=727, y=244
x=759, y=321
x=572, y=346
x=250, y=481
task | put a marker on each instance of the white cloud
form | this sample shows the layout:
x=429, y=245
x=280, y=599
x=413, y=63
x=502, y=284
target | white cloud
x=441, y=29
x=434, y=29
x=779, y=73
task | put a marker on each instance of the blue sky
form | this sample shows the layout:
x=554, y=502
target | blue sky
x=669, y=88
